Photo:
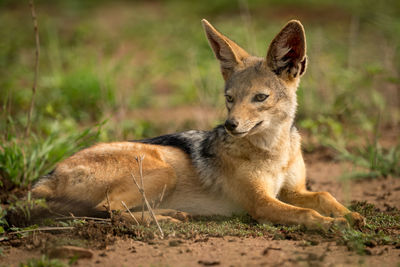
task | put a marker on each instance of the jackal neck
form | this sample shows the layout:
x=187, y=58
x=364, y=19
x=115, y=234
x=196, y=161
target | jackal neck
x=272, y=141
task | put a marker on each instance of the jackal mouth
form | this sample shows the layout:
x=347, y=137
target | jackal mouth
x=237, y=134
x=255, y=126
x=241, y=134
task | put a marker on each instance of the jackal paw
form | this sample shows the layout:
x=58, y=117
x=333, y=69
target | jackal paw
x=178, y=215
x=340, y=223
x=355, y=219
x=182, y=216
x=162, y=218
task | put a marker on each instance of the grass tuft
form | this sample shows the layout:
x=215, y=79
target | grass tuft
x=24, y=161
x=44, y=261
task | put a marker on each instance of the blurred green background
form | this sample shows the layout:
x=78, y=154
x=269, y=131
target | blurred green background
x=144, y=68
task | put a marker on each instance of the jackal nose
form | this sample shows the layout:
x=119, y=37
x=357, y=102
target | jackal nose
x=231, y=124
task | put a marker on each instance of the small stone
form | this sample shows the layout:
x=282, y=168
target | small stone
x=371, y=243
x=15, y=242
x=174, y=243
x=70, y=252
x=368, y=251
x=209, y=263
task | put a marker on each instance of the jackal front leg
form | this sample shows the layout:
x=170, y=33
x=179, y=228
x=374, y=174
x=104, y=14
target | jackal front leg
x=294, y=192
x=269, y=209
x=254, y=197
x=323, y=202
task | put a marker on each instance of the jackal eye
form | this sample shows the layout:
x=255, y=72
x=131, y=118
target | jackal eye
x=229, y=98
x=260, y=97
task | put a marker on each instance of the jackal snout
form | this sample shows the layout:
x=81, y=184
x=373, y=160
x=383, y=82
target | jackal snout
x=242, y=120
x=231, y=124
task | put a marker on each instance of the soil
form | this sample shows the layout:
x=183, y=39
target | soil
x=324, y=174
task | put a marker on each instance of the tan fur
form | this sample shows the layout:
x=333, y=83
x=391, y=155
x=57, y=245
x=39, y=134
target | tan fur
x=260, y=169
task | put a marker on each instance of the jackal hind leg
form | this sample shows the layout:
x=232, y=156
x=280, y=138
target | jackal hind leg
x=161, y=215
x=133, y=201
x=322, y=202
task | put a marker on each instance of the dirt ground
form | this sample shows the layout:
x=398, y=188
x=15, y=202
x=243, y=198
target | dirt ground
x=323, y=174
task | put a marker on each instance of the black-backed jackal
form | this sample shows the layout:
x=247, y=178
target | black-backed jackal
x=253, y=163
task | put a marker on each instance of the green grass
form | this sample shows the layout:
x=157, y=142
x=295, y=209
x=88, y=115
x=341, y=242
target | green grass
x=375, y=160
x=22, y=161
x=99, y=58
x=381, y=229
x=43, y=262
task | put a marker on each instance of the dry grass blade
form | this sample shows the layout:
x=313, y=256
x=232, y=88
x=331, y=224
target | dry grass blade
x=133, y=217
x=141, y=181
x=37, y=54
x=81, y=218
x=43, y=229
x=163, y=193
x=156, y=205
x=142, y=192
x=108, y=207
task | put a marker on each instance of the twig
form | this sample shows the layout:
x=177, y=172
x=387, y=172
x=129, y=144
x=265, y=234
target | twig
x=7, y=110
x=163, y=193
x=141, y=190
x=108, y=207
x=43, y=229
x=133, y=217
x=81, y=218
x=141, y=181
x=156, y=205
x=37, y=54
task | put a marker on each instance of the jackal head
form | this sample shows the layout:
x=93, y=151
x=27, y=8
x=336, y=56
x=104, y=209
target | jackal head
x=260, y=93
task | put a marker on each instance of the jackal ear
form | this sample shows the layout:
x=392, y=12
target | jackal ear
x=287, y=52
x=229, y=54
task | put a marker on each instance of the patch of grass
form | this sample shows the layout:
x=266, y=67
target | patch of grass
x=359, y=241
x=218, y=226
x=372, y=157
x=86, y=95
x=382, y=229
x=23, y=207
x=198, y=228
x=377, y=161
x=97, y=55
x=323, y=131
x=22, y=161
x=377, y=219
x=44, y=261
